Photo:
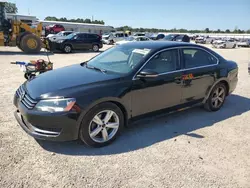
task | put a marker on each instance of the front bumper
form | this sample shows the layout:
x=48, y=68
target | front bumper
x=47, y=126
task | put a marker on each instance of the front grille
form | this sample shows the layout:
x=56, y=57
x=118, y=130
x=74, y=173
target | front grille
x=24, y=98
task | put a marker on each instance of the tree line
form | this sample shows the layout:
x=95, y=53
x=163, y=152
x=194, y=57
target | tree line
x=174, y=30
x=78, y=20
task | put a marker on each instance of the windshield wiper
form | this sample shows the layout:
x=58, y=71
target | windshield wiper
x=96, y=68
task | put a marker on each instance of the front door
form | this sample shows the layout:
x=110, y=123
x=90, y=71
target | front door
x=199, y=74
x=165, y=90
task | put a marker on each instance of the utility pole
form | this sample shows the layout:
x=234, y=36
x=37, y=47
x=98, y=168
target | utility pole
x=92, y=18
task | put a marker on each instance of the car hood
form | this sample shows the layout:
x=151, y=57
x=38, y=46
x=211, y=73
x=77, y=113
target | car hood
x=123, y=42
x=50, y=35
x=55, y=82
x=104, y=36
x=219, y=41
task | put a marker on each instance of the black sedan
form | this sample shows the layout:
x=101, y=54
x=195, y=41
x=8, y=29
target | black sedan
x=94, y=100
x=78, y=41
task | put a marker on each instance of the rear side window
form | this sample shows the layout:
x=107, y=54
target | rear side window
x=197, y=58
x=81, y=36
x=92, y=36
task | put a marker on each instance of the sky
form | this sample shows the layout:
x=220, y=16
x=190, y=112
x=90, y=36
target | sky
x=164, y=14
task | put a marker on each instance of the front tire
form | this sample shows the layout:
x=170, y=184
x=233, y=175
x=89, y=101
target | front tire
x=101, y=125
x=216, y=98
x=67, y=48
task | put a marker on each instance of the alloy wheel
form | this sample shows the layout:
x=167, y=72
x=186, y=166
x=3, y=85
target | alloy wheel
x=95, y=48
x=67, y=49
x=104, y=126
x=218, y=97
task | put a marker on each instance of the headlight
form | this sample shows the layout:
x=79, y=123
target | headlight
x=55, y=105
x=60, y=41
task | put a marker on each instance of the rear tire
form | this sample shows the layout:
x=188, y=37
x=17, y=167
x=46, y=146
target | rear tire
x=216, y=98
x=30, y=44
x=95, y=48
x=234, y=46
x=88, y=125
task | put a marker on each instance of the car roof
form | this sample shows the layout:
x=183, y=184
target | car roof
x=86, y=33
x=159, y=44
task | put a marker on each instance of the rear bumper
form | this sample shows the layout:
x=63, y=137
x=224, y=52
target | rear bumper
x=45, y=126
x=248, y=68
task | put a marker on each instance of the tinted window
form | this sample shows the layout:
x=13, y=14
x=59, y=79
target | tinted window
x=196, y=58
x=81, y=36
x=126, y=35
x=91, y=36
x=143, y=38
x=119, y=34
x=180, y=37
x=166, y=61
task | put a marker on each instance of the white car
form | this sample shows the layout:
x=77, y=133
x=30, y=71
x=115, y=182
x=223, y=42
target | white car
x=114, y=37
x=59, y=36
x=244, y=43
x=133, y=39
x=228, y=43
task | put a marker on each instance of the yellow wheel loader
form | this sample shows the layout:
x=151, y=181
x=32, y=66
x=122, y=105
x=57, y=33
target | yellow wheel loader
x=16, y=33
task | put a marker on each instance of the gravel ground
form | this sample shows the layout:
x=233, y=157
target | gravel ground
x=193, y=148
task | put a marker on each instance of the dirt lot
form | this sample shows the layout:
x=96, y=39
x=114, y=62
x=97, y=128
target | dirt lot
x=193, y=148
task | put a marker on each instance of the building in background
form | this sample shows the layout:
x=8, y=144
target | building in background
x=81, y=27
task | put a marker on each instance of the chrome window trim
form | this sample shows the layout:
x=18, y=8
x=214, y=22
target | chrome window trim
x=180, y=70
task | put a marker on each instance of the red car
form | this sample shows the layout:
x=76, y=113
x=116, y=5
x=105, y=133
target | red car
x=56, y=28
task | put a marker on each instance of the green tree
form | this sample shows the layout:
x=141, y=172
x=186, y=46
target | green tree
x=227, y=31
x=235, y=29
x=207, y=30
x=51, y=18
x=11, y=8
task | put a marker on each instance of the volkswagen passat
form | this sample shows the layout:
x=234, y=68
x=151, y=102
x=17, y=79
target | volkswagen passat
x=94, y=100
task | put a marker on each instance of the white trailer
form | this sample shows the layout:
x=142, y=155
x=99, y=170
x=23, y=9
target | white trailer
x=81, y=27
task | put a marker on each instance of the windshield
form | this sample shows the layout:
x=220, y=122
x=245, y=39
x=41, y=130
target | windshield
x=59, y=34
x=70, y=35
x=119, y=59
x=130, y=39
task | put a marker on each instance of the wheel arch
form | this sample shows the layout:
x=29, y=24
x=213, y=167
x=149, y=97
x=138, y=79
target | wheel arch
x=68, y=44
x=113, y=100
x=222, y=80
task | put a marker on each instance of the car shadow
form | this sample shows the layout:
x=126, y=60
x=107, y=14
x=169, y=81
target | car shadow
x=78, y=52
x=150, y=131
x=42, y=53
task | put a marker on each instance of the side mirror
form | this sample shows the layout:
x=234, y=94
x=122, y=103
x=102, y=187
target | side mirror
x=147, y=74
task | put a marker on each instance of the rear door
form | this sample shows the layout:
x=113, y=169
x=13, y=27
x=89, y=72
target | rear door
x=92, y=39
x=199, y=74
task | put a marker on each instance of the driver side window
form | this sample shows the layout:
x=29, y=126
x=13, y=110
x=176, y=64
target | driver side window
x=164, y=62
